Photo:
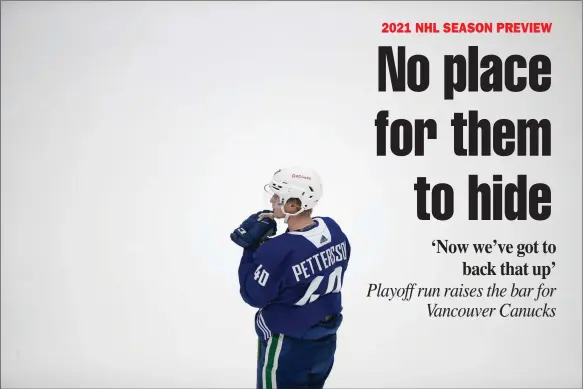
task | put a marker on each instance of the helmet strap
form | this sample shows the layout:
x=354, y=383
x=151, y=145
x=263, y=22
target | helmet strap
x=287, y=215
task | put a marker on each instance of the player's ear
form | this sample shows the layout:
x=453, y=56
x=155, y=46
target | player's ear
x=293, y=205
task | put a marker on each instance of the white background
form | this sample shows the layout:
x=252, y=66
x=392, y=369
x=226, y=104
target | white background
x=137, y=136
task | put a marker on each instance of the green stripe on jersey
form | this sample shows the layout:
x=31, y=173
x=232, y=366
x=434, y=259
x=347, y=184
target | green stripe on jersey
x=271, y=359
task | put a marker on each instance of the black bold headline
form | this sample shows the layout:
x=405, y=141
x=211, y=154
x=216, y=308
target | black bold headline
x=503, y=137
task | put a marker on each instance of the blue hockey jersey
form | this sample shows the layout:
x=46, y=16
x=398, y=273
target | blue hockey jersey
x=295, y=279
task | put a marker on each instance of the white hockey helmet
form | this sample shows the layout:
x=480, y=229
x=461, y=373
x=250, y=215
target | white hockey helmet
x=296, y=182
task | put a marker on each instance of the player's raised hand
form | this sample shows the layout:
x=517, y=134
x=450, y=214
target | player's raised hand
x=255, y=229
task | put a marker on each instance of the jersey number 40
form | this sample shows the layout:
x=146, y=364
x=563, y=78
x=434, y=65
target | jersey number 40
x=334, y=286
x=261, y=275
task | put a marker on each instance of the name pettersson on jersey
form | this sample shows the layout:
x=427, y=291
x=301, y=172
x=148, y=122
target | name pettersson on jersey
x=322, y=260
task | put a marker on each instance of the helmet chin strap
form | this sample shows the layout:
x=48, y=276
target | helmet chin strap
x=287, y=215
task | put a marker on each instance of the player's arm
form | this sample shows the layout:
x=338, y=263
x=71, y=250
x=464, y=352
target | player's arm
x=260, y=275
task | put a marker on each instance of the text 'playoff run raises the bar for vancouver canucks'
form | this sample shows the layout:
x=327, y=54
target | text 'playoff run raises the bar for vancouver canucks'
x=501, y=27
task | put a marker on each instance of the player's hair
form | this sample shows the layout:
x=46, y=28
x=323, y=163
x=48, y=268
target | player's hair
x=298, y=202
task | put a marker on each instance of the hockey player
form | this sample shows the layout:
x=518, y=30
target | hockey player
x=295, y=280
